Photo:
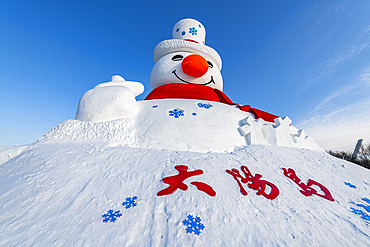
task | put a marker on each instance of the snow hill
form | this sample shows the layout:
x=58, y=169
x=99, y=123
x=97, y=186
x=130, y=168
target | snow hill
x=97, y=184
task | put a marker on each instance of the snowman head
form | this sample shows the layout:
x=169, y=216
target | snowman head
x=186, y=58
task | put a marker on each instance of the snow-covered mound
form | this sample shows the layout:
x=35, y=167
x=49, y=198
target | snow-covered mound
x=180, y=173
x=186, y=125
x=8, y=152
x=61, y=192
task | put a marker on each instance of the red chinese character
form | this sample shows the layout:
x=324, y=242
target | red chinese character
x=255, y=183
x=176, y=182
x=305, y=188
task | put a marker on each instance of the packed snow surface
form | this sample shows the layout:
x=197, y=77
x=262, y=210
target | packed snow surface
x=186, y=125
x=117, y=183
x=57, y=192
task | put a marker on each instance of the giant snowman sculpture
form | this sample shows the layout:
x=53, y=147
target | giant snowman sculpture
x=186, y=109
x=184, y=167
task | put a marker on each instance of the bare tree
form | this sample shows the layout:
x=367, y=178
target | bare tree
x=363, y=156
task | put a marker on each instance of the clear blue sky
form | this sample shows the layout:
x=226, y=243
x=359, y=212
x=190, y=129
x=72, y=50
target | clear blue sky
x=309, y=60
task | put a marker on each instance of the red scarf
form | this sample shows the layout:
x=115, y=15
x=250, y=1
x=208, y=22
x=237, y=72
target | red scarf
x=201, y=92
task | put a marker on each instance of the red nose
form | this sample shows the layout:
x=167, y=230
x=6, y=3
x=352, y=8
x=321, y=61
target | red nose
x=194, y=65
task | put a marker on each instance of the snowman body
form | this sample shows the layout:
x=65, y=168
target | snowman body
x=187, y=125
x=186, y=109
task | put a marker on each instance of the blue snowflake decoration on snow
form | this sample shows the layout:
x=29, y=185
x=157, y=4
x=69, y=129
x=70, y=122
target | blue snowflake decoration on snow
x=207, y=106
x=193, y=31
x=183, y=33
x=193, y=224
x=360, y=212
x=194, y=114
x=350, y=185
x=362, y=205
x=111, y=216
x=130, y=202
x=176, y=113
x=366, y=200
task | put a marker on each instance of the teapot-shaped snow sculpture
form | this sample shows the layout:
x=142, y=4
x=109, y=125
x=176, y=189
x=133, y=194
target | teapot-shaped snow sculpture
x=109, y=101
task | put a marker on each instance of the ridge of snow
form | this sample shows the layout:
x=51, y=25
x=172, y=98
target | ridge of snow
x=186, y=125
x=8, y=152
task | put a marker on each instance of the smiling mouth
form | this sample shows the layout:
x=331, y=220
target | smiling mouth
x=211, y=81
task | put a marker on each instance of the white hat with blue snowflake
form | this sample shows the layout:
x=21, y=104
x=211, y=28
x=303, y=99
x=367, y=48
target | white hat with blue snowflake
x=188, y=35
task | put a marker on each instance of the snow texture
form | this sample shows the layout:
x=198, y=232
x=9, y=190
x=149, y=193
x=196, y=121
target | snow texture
x=51, y=193
x=51, y=190
x=184, y=126
x=9, y=152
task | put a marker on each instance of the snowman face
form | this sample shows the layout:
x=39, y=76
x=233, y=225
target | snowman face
x=174, y=68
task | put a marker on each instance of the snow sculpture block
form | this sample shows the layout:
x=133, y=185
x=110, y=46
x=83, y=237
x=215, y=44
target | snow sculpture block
x=109, y=101
x=282, y=134
x=252, y=130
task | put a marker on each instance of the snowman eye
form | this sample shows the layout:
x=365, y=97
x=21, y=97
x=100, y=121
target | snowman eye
x=177, y=58
x=210, y=64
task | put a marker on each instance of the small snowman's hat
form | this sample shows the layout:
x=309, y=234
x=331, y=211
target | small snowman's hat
x=189, y=36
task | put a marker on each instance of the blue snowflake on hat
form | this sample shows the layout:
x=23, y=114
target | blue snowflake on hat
x=193, y=31
x=184, y=31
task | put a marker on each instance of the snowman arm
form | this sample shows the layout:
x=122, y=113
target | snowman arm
x=258, y=113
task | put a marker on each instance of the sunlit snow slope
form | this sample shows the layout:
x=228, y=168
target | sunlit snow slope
x=109, y=183
x=55, y=193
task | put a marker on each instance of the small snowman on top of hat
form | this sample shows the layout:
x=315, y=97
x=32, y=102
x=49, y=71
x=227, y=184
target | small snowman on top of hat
x=184, y=59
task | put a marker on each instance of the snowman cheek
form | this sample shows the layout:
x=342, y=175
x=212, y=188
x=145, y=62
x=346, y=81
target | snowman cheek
x=162, y=73
x=217, y=77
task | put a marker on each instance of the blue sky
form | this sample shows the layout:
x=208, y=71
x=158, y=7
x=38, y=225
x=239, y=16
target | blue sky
x=309, y=60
